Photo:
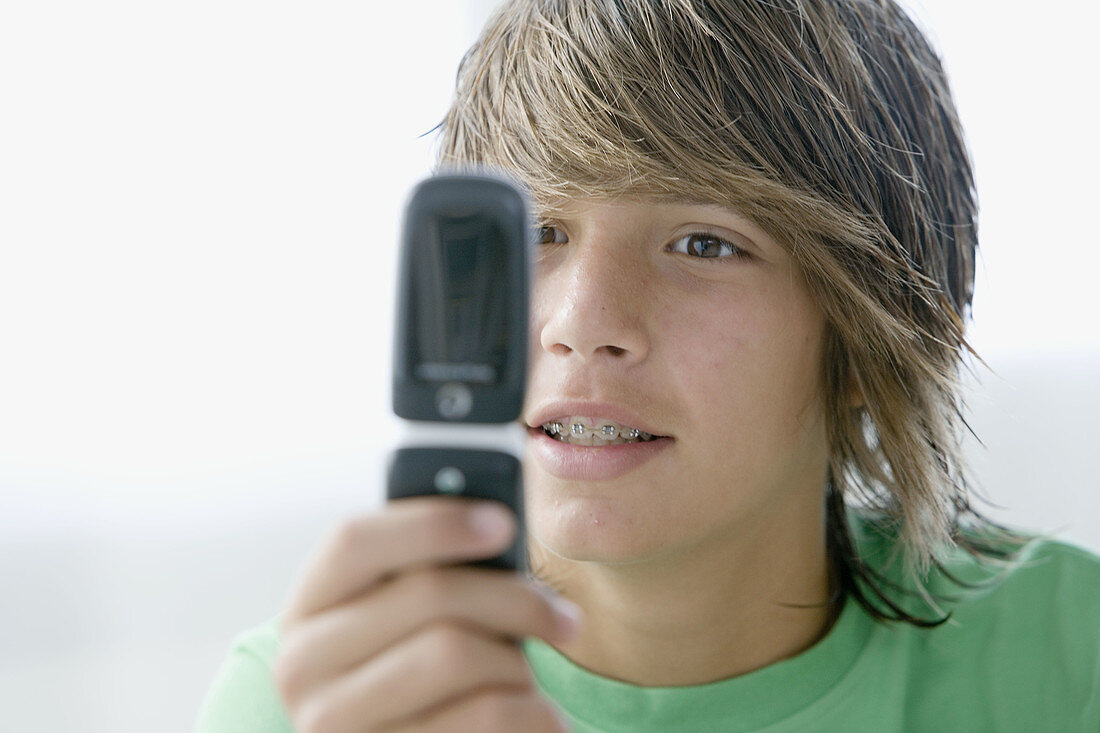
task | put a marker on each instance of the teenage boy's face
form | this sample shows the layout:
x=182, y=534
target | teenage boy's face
x=684, y=321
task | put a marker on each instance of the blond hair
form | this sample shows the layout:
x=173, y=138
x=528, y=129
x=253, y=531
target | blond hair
x=830, y=123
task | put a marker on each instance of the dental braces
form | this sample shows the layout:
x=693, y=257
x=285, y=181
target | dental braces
x=607, y=432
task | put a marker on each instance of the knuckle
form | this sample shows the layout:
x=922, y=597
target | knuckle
x=431, y=525
x=492, y=711
x=546, y=614
x=316, y=718
x=430, y=588
x=544, y=714
x=520, y=673
x=541, y=609
x=284, y=625
x=286, y=673
x=496, y=712
x=346, y=537
x=446, y=525
x=512, y=710
x=449, y=647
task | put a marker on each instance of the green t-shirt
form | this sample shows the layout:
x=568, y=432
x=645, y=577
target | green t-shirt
x=1022, y=655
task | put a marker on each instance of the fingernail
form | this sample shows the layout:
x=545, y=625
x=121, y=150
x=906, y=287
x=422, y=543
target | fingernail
x=569, y=616
x=491, y=521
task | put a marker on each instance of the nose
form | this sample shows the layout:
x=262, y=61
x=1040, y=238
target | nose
x=592, y=305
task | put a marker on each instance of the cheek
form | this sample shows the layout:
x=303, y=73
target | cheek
x=748, y=376
x=706, y=347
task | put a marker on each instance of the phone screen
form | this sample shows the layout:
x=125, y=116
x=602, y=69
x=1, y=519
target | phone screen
x=461, y=296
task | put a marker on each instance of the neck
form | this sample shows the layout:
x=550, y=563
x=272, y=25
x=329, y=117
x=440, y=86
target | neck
x=723, y=608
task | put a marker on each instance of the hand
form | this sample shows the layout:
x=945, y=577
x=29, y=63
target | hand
x=381, y=636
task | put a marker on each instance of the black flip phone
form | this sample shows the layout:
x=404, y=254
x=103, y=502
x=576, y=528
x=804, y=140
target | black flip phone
x=460, y=356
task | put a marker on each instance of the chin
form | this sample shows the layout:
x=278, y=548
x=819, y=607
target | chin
x=587, y=529
x=588, y=552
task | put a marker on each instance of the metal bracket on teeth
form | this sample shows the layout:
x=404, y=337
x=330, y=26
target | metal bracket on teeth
x=607, y=432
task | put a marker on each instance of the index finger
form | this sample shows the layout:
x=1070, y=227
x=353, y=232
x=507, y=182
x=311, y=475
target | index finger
x=406, y=533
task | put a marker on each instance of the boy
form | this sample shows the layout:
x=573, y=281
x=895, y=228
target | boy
x=758, y=237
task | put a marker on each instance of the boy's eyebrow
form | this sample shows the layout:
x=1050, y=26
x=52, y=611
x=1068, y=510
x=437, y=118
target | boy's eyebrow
x=547, y=212
x=707, y=204
x=556, y=208
x=562, y=206
x=725, y=209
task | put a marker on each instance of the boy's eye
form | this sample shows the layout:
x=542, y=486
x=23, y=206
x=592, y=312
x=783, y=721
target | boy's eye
x=550, y=235
x=706, y=246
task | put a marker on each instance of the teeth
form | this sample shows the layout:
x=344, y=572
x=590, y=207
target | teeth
x=591, y=431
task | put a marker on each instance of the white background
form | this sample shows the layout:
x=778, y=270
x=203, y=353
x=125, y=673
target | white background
x=199, y=204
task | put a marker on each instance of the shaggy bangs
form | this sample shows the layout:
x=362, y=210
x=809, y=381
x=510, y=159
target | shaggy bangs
x=831, y=125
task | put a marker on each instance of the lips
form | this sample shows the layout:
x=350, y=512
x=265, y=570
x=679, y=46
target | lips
x=600, y=460
x=596, y=414
x=592, y=463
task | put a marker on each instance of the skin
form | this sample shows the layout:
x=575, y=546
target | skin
x=683, y=565
x=387, y=632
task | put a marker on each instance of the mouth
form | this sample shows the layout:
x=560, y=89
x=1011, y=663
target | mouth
x=589, y=441
x=583, y=448
x=593, y=432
